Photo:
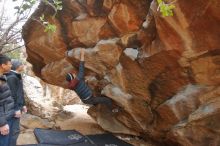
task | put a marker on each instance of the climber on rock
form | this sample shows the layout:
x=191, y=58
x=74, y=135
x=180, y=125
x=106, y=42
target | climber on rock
x=77, y=83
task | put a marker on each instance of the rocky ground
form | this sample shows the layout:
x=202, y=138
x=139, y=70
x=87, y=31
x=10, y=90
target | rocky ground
x=73, y=117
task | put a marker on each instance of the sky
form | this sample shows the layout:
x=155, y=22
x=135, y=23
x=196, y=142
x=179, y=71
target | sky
x=9, y=7
x=10, y=14
x=9, y=10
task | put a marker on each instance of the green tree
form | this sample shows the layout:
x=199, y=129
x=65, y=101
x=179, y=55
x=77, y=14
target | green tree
x=10, y=30
x=28, y=4
x=166, y=9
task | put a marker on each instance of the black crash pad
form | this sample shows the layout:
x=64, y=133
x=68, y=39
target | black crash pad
x=37, y=145
x=107, y=140
x=61, y=138
x=76, y=144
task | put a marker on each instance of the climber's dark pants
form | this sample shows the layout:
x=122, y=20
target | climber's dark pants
x=99, y=100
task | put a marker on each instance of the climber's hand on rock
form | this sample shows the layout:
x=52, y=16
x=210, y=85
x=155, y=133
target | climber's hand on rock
x=82, y=54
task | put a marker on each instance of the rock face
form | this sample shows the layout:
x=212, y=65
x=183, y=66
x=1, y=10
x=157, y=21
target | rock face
x=162, y=73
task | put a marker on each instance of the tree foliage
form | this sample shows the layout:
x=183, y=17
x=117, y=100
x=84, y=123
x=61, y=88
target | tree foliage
x=10, y=33
x=10, y=29
x=56, y=5
x=166, y=9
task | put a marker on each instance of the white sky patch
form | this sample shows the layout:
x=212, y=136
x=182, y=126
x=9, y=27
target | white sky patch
x=9, y=10
x=132, y=53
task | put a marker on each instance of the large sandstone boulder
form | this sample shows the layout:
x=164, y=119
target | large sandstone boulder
x=161, y=72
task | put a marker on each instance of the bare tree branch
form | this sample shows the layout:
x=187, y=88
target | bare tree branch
x=12, y=49
x=2, y=15
x=51, y=5
x=9, y=31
